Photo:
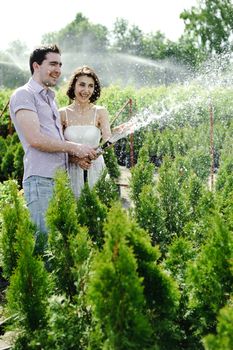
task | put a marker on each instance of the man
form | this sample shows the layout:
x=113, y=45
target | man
x=36, y=119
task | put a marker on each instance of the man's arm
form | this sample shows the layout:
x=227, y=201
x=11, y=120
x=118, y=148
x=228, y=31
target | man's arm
x=29, y=125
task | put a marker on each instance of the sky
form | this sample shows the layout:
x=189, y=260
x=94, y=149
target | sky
x=28, y=20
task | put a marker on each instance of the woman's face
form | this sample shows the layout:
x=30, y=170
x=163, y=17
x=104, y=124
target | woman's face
x=84, y=88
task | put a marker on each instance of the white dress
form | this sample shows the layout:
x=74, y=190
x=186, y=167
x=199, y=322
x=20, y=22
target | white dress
x=84, y=134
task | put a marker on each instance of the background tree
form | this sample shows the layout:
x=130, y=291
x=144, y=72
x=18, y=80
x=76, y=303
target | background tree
x=127, y=39
x=80, y=35
x=209, y=25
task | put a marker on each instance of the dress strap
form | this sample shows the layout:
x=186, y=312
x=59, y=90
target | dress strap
x=95, y=116
x=66, y=117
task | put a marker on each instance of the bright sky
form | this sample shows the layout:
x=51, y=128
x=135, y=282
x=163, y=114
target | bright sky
x=28, y=20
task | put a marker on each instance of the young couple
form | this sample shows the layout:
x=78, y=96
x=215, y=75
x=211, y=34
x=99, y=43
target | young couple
x=53, y=139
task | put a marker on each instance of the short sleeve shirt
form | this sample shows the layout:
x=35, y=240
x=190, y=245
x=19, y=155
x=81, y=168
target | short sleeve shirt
x=32, y=96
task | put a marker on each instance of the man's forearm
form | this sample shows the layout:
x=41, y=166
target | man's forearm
x=47, y=144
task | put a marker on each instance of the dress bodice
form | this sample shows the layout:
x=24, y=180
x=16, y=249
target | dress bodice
x=85, y=134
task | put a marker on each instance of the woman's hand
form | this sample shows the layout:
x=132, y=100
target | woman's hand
x=84, y=163
x=126, y=127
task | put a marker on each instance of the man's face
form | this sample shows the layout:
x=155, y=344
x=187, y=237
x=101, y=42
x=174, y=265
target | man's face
x=49, y=71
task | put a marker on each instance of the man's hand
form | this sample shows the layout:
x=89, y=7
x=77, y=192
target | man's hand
x=85, y=151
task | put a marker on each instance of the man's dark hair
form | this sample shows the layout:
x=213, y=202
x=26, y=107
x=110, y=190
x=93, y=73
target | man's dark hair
x=39, y=54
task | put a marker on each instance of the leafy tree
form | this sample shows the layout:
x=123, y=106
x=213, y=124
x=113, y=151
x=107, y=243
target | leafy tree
x=155, y=46
x=209, y=25
x=127, y=39
x=80, y=35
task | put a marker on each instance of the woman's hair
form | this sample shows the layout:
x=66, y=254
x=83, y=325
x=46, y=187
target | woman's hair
x=40, y=53
x=84, y=71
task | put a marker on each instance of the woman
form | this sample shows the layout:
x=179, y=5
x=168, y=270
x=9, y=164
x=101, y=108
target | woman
x=85, y=123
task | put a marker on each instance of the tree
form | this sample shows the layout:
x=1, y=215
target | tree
x=223, y=340
x=63, y=229
x=127, y=39
x=80, y=35
x=116, y=291
x=209, y=25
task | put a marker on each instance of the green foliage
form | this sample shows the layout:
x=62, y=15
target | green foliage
x=193, y=190
x=223, y=340
x=106, y=190
x=210, y=277
x=180, y=252
x=66, y=328
x=63, y=228
x=74, y=35
x=171, y=198
x=149, y=215
x=29, y=284
x=142, y=174
x=116, y=292
x=92, y=213
x=14, y=214
x=11, y=158
x=160, y=290
x=111, y=163
x=209, y=25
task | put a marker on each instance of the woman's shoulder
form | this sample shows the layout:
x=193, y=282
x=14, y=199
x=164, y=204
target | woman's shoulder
x=64, y=109
x=101, y=110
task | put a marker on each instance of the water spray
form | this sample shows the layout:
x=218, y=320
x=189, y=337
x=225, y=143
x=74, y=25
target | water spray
x=121, y=133
x=211, y=145
x=112, y=140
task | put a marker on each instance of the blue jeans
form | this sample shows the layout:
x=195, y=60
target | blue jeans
x=38, y=191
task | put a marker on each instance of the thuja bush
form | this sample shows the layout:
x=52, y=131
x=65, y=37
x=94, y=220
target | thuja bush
x=223, y=339
x=193, y=189
x=150, y=216
x=210, y=278
x=142, y=174
x=70, y=254
x=116, y=293
x=107, y=190
x=27, y=294
x=63, y=229
x=180, y=253
x=91, y=212
x=14, y=213
x=11, y=158
x=160, y=289
x=197, y=226
x=224, y=190
x=111, y=163
x=29, y=287
x=171, y=198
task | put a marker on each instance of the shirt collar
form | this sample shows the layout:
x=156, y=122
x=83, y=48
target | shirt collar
x=40, y=89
